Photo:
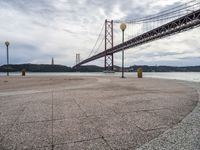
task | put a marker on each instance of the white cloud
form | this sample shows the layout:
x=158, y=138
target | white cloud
x=39, y=30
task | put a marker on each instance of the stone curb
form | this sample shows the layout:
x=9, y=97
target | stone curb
x=183, y=136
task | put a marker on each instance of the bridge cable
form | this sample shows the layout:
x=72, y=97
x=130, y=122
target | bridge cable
x=163, y=13
x=97, y=40
x=99, y=46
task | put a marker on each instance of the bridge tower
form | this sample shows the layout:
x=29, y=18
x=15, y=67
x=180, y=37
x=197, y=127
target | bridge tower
x=108, y=64
x=78, y=59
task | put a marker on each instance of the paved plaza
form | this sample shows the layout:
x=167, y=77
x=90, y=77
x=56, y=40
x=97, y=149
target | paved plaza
x=101, y=113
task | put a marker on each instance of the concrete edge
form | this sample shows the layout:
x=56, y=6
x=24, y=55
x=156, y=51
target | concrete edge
x=184, y=136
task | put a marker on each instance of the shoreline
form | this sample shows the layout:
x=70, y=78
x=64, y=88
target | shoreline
x=184, y=76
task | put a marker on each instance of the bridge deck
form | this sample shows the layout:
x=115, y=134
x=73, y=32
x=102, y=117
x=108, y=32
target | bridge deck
x=184, y=23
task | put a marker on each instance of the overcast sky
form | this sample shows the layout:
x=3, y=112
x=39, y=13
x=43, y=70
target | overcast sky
x=41, y=29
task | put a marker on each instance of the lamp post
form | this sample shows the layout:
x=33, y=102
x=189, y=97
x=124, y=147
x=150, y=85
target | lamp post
x=7, y=45
x=123, y=27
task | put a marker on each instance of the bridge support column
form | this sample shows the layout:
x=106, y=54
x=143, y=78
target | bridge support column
x=108, y=64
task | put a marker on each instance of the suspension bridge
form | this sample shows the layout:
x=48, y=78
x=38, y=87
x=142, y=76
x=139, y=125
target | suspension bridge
x=142, y=30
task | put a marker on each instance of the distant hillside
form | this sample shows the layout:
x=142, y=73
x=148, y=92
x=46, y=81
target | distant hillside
x=36, y=68
x=93, y=68
x=89, y=68
x=49, y=68
x=165, y=68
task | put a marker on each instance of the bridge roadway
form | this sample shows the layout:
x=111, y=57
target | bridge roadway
x=181, y=24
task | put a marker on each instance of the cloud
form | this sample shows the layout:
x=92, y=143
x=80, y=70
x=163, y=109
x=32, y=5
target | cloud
x=40, y=30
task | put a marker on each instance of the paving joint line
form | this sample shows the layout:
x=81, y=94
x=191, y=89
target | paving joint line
x=144, y=110
x=143, y=130
x=106, y=142
x=52, y=142
x=95, y=127
x=79, y=141
x=80, y=108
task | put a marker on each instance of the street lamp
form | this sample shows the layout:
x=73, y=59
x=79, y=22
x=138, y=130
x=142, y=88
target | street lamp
x=123, y=27
x=7, y=45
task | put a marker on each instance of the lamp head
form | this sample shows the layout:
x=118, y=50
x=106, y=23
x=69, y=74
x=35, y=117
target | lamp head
x=123, y=26
x=7, y=43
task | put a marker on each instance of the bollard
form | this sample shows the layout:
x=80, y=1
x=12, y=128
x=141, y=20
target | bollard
x=23, y=72
x=139, y=72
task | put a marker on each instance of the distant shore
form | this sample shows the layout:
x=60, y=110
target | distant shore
x=186, y=76
x=93, y=68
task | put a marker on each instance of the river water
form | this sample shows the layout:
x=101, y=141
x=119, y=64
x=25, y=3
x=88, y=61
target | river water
x=188, y=76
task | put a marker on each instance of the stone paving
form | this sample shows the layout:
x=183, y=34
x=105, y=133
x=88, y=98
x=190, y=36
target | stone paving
x=89, y=112
x=183, y=136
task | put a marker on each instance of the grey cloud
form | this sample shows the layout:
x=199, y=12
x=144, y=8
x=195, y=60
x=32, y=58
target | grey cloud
x=40, y=24
x=40, y=7
x=189, y=57
x=138, y=11
x=19, y=52
x=69, y=31
x=169, y=63
x=147, y=54
x=161, y=54
x=58, y=27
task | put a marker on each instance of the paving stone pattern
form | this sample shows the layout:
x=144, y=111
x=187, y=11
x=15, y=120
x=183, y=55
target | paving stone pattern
x=73, y=113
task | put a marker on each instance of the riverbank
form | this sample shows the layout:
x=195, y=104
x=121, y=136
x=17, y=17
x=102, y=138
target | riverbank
x=88, y=112
x=185, y=76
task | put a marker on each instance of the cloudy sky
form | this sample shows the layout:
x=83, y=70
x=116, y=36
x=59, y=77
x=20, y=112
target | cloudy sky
x=41, y=29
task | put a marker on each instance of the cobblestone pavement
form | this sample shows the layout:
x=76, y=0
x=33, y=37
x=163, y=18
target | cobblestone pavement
x=72, y=113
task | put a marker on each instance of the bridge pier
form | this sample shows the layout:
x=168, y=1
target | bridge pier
x=109, y=59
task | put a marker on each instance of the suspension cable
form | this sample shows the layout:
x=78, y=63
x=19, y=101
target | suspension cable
x=163, y=13
x=97, y=40
x=99, y=46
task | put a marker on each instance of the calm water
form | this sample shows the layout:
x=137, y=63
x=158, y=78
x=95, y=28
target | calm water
x=189, y=76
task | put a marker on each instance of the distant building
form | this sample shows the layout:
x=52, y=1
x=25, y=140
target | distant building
x=78, y=58
x=52, y=61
